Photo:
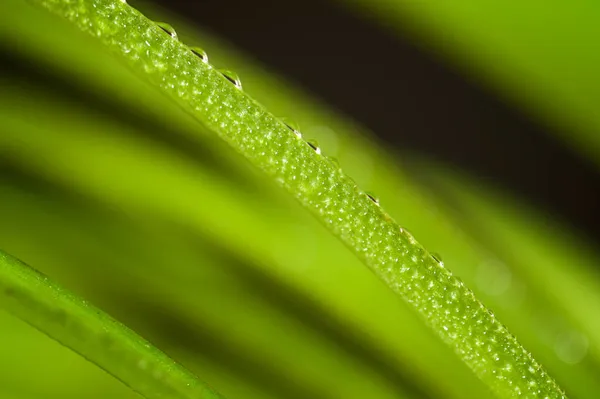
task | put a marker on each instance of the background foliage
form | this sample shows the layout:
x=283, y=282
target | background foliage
x=104, y=189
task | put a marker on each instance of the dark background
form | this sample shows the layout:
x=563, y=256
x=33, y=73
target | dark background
x=413, y=101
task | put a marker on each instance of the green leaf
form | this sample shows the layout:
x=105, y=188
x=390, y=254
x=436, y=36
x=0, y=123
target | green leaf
x=540, y=58
x=551, y=289
x=390, y=251
x=88, y=331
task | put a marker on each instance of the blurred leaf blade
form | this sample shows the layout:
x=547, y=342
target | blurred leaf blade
x=543, y=59
x=249, y=239
x=380, y=182
x=380, y=249
x=73, y=322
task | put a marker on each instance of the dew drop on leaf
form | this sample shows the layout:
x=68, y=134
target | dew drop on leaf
x=293, y=126
x=405, y=232
x=232, y=77
x=436, y=257
x=314, y=145
x=373, y=198
x=334, y=161
x=167, y=28
x=200, y=53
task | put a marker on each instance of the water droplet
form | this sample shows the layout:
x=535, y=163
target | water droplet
x=404, y=231
x=327, y=137
x=167, y=28
x=334, y=161
x=437, y=257
x=232, y=77
x=373, y=198
x=293, y=126
x=200, y=53
x=314, y=145
x=571, y=347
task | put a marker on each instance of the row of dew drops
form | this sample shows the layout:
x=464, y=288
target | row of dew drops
x=569, y=348
x=568, y=357
x=235, y=80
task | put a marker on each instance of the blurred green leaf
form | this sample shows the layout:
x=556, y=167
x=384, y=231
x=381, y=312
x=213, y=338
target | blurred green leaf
x=315, y=321
x=78, y=325
x=543, y=57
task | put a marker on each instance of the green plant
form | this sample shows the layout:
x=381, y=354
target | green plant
x=221, y=208
x=94, y=335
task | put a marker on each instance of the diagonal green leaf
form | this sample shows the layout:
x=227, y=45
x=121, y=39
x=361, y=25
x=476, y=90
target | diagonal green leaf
x=554, y=270
x=391, y=252
x=93, y=334
x=309, y=261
